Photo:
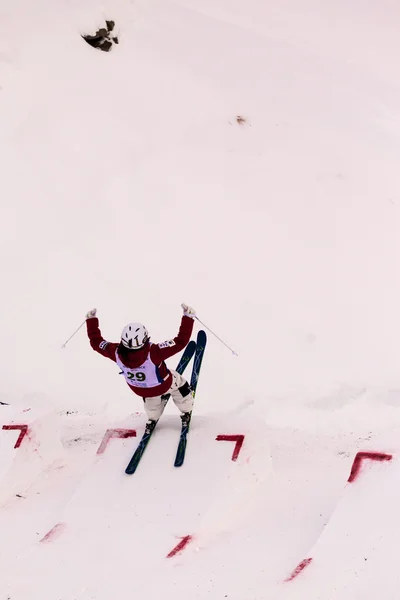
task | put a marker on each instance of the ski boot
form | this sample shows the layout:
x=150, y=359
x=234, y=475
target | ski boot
x=150, y=426
x=185, y=418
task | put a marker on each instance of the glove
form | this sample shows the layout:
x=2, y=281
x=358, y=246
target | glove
x=188, y=311
x=91, y=313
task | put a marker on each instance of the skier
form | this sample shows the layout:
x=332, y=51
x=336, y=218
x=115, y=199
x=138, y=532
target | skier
x=142, y=363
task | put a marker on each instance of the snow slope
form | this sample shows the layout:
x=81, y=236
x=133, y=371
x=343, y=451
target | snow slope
x=243, y=158
x=354, y=556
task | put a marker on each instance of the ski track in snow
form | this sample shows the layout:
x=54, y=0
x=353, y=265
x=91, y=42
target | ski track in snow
x=243, y=158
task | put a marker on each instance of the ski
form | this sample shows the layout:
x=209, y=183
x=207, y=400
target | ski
x=186, y=356
x=137, y=455
x=150, y=426
x=198, y=359
x=184, y=361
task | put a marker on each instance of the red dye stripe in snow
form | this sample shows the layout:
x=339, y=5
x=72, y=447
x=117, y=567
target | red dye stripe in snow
x=181, y=546
x=23, y=429
x=115, y=433
x=53, y=533
x=239, y=439
x=300, y=567
x=360, y=456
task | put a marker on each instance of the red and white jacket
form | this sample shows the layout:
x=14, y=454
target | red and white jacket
x=157, y=353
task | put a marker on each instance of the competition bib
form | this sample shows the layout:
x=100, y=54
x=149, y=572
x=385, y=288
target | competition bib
x=145, y=376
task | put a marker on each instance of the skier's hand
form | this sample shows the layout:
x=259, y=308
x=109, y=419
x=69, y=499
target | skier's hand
x=188, y=311
x=91, y=313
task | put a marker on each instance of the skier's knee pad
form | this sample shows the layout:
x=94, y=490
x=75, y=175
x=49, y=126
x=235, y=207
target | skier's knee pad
x=185, y=389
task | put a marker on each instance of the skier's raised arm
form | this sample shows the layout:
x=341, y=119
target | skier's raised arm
x=98, y=343
x=164, y=350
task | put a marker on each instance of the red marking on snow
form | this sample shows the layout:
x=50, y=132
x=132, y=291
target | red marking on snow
x=23, y=429
x=181, y=546
x=26, y=410
x=53, y=533
x=239, y=439
x=360, y=456
x=115, y=433
x=300, y=567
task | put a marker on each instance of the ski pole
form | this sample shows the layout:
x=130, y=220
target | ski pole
x=75, y=332
x=218, y=338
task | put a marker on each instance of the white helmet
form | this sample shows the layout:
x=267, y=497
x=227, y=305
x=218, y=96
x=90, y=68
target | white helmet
x=134, y=336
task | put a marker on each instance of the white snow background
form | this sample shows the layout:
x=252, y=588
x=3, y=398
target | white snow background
x=128, y=183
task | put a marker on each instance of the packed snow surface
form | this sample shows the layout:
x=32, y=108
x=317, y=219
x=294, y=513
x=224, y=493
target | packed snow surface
x=241, y=157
